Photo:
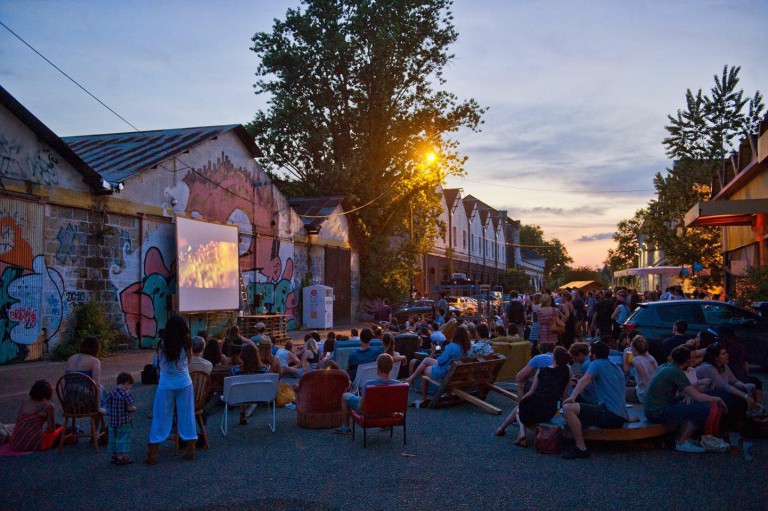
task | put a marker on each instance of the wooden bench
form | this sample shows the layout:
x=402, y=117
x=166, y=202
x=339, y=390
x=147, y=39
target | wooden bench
x=470, y=380
x=640, y=429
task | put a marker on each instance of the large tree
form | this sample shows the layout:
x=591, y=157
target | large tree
x=625, y=255
x=700, y=136
x=355, y=108
x=556, y=258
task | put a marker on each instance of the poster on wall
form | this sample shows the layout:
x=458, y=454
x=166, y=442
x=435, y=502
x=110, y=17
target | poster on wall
x=208, y=266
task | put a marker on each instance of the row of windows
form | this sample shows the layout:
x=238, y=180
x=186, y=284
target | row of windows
x=484, y=247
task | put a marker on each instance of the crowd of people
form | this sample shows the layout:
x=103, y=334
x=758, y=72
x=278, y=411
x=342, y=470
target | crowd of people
x=583, y=365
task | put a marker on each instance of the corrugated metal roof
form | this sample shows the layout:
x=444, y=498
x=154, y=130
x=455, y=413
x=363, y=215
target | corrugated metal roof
x=308, y=207
x=119, y=156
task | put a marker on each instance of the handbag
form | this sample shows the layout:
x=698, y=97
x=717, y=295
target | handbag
x=556, y=325
x=285, y=395
x=548, y=439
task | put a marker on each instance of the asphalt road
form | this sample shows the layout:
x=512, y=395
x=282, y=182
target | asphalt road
x=454, y=462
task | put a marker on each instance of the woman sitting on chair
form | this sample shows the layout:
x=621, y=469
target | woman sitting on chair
x=389, y=347
x=36, y=412
x=550, y=385
x=311, y=356
x=85, y=362
x=437, y=368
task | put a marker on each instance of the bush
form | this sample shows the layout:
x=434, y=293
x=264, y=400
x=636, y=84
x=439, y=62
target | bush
x=88, y=319
x=752, y=287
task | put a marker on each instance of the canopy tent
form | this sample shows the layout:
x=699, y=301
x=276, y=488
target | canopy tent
x=584, y=285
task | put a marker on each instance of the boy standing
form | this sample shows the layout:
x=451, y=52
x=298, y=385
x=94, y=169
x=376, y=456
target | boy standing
x=120, y=406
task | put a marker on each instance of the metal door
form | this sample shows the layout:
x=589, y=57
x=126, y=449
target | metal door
x=338, y=275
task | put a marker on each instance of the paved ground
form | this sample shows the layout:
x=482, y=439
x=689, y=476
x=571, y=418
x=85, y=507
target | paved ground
x=454, y=462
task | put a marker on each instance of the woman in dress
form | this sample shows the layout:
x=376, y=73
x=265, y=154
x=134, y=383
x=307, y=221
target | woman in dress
x=545, y=315
x=37, y=412
x=550, y=385
x=437, y=368
x=174, y=390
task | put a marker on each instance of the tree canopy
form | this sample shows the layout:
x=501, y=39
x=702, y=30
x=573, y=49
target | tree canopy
x=355, y=107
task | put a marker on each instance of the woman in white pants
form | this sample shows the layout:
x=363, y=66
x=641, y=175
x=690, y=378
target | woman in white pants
x=174, y=388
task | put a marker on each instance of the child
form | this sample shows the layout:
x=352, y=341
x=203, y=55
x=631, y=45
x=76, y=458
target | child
x=120, y=406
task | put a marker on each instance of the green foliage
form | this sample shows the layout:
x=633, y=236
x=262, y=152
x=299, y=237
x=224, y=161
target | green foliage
x=515, y=279
x=625, y=255
x=89, y=318
x=753, y=287
x=354, y=108
x=699, y=138
x=556, y=258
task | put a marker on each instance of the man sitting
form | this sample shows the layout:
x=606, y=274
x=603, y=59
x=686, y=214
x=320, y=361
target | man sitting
x=362, y=355
x=384, y=364
x=198, y=363
x=662, y=404
x=261, y=332
x=678, y=337
x=289, y=363
x=611, y=410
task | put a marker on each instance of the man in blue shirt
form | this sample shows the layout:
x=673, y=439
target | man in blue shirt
x=364, y=354
x=349, y=401
x=611, y=410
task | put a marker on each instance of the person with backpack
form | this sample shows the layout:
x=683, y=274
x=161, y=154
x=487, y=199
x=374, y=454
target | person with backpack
x=515, y=315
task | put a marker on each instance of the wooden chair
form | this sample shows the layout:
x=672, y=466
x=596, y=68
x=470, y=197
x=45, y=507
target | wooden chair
x=78, y=395
x=201, y=385
x=385, y=406
x=470, y=380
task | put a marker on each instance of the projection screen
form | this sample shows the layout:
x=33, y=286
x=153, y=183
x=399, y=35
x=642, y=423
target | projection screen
x=208, y=265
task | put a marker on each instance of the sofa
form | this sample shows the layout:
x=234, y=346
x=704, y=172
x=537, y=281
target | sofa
x=343, y=349
x=517, y=352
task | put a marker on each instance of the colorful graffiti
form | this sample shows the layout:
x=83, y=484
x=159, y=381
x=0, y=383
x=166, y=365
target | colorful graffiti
x=31, y=307
x=38, y=166
x=144, y=302
x=14, y=249
x=275, y=284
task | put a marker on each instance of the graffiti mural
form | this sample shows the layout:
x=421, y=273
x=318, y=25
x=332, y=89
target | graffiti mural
x=266, y=262
x=144, y=301
x=38, y=166
x=69, y=239
x=31, y=304
x=14, y=249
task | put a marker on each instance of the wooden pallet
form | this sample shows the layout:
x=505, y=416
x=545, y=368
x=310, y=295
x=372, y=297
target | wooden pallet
x=275, y=323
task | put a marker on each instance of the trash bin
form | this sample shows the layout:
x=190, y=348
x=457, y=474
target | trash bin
x=761, y=308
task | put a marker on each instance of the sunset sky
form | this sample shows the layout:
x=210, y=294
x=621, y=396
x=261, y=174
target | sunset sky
x=578, y=91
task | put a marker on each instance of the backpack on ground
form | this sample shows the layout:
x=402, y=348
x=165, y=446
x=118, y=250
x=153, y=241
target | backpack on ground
x=149, y=375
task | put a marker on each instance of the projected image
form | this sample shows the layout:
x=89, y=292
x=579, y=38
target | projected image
x=208, y=266
x=207, y=256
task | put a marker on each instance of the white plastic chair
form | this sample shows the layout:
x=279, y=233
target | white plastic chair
x=365, y=373
x=247, y=389
x=393, y=374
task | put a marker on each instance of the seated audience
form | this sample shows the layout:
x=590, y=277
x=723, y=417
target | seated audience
x=261, y=332
x=663, y=404
x=198, y=363
x=389, y=348
x=737, y=360
x=267, y=358
x=251, y=364
x=579, y=352
x=436, y=368
x=329, y=344
x=311, y=356
x=290, y=365
x=362, y=355
x=36, y=413
x=678, y=337
x=611, y=410
x=736, y=394
x=212, y=353
x=540, y=403
x=543, y=359
x=349, y=401
x=644, y=364
x=85, y=362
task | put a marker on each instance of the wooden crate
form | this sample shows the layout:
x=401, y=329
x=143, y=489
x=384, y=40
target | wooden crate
x=275, y=323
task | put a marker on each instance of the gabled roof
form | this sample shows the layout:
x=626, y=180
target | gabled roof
x=484, y=216
x=119, y=156
x=309, y=207
x=451, y=195
x=44, y=134
x=469, y=208
x=495, y=222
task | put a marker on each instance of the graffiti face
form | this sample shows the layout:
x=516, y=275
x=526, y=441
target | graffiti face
x=14, y=249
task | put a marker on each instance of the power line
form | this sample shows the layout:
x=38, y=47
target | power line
x=586, y=192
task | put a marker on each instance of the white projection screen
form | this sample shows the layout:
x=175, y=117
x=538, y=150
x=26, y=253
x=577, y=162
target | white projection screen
x=208, y=266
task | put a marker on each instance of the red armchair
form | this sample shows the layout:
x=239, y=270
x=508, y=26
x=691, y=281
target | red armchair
x=318, y=399
x=384, y=406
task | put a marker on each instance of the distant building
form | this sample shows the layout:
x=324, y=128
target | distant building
x=533, y=265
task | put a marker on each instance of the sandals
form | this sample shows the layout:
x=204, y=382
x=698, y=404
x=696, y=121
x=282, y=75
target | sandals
x=523, y=442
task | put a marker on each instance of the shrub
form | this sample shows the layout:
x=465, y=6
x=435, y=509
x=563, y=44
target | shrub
x=753, y=286
x=89, y=318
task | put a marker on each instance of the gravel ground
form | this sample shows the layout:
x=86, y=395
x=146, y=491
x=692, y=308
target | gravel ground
x=455, y=462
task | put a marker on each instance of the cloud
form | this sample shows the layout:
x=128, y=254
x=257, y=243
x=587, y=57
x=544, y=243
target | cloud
x=551, y=211
x=596, y=237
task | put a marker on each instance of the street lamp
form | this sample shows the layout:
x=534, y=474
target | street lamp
x=430, y=158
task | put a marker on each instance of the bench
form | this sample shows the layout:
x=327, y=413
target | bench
x=470, y=380
x=641, y=429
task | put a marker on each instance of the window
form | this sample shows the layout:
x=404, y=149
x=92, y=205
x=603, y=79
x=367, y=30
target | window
x=673, y=312
x=464, y=237
x=719, y=313
x=455, y=241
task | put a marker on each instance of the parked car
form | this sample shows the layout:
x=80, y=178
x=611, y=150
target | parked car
x=496, y=304
x=418, y=308
x=463, y=304
x=654, y=320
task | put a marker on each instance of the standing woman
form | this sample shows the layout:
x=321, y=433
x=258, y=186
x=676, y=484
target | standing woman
x=545, y=315
x=174, y=389
x=534, y=315
x=567, y=337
